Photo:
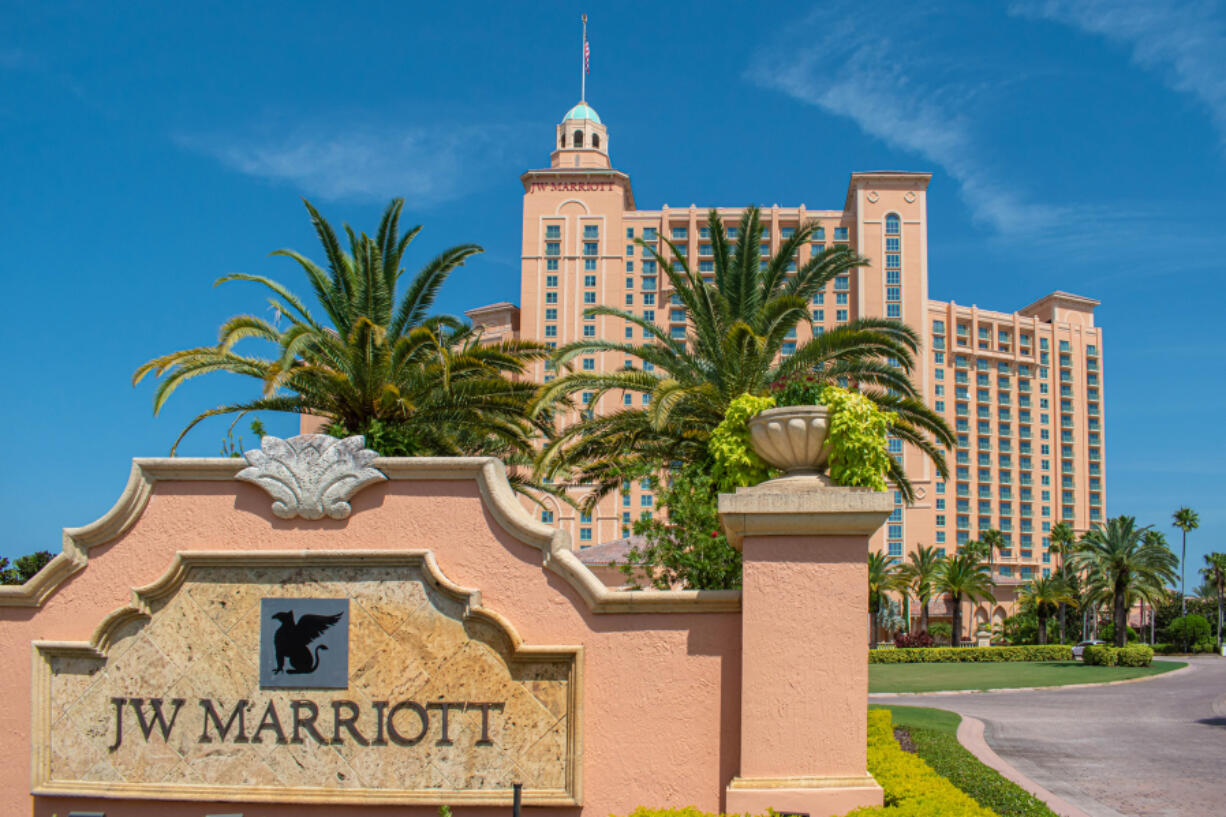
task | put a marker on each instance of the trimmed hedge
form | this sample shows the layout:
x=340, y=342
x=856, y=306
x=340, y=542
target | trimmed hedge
x=931, y=655
x=1103, y=655
x=951, y=760
x=912, y=788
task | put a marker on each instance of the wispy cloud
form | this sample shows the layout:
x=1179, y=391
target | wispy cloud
x=858, y=74
x=1185, y=42
x=425, y=165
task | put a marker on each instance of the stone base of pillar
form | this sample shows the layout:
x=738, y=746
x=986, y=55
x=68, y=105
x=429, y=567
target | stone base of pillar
x=811, y=796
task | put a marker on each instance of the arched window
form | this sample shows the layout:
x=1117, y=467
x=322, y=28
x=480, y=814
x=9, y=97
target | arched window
x=578, y=139
x=596, y=140
x=892, y=224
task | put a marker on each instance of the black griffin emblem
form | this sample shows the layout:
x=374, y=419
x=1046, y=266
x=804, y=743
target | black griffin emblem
x=292, y=641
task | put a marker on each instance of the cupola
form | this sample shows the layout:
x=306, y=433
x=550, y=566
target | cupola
x=582, y=140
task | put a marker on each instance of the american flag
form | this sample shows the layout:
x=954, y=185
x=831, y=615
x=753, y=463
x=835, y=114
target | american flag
x=587, y=56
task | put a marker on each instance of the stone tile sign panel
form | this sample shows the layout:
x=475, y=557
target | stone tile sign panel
x=439, y=701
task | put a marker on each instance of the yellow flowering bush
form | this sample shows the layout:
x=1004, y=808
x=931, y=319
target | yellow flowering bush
x=735, y=462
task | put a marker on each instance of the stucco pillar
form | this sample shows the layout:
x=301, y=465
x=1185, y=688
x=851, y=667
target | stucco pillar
x=804, y=655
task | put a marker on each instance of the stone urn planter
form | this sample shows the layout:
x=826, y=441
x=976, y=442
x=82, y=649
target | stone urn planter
x=793, y=439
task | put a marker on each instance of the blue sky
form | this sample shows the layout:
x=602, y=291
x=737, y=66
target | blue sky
x=148, y=150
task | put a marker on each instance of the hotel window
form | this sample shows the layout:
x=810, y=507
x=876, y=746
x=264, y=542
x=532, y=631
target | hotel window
x=840, y=315
x=893, y=310
x=893, y=245
x=547, y=517
x=680, y=233
x=629, y=249
x=706, y=266
x=591, y=231
x=589, y=280
x=819, y=315
x=589, y=331
x=766, y=233
x=842, y=282
x=896, y=548
x=733, y=232
x=787, y=232
x=893, y=276
x=649, y=299
x=629, y=232
x=893, y=293
x=551, y=331
x=892, y=224
x=650, y=234
x=677, y=332
x=589, y=264
x=766, y=251
x=704, y=249
x=551, y=297
x=553, y=231
x=893, y=260
x=819, y=234
x=626, y=401
x=591, y=248
x=840, y=298
x=553, y=248
x=646, y=500
x=551, y=265
x=589, y=364
x=551, y=314
x=819, y=298
x=789, y=349
x=629, y=266
x=585, y=534
x=649, y=283
x=704, y=232
x=840, y=233
x=649, y=315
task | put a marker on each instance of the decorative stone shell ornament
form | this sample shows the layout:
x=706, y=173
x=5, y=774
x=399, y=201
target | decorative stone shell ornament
x=793, y=438
x=311, y=475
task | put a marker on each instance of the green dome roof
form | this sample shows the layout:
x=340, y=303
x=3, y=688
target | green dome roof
x=582, y=111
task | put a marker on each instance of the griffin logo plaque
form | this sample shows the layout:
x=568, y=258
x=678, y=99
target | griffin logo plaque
x=304, y=643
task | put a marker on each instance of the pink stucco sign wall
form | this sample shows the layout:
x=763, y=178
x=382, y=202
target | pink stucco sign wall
x=661, y=682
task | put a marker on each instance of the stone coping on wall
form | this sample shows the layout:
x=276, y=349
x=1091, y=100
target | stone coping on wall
x=557, y=552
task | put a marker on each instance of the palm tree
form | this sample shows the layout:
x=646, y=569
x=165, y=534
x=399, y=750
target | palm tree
x=992, y=541
x=1061, y=540
x=1214, y=572
x=740, y=318
x=884, y=576
x=963, y=576
x=1122, y=563
x=1044, y=594
x=920, y=572
x=1185, y=519
x=373, y=363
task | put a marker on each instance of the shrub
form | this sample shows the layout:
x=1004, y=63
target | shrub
x=942, y=631
x=859, y=447
x=736, y=463
x=1136, y=655
x=1166, y=649
x=931, y=655
x=1189, y=630
x=1206, y=645
x=913, y=640
x=1108, y=633
x=1100, y=655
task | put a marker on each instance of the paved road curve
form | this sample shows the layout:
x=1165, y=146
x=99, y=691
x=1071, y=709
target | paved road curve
x=1156, y=748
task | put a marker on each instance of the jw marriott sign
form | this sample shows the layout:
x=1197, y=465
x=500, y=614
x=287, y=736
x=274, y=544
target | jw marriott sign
x=360, y=679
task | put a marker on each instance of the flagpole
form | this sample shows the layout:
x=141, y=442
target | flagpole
x=583, y=63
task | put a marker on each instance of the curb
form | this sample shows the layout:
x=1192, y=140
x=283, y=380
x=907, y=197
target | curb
x=970, y=735
x=1170, y=673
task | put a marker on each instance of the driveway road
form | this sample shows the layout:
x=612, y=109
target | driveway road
x=1155, y=748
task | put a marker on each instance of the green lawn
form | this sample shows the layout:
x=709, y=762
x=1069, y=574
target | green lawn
x=1003, y=675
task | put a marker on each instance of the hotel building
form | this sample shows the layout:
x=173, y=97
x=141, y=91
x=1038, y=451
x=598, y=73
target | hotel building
x=1023, y=390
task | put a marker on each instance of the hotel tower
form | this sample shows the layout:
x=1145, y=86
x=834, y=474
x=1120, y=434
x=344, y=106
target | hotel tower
x=1022, y=390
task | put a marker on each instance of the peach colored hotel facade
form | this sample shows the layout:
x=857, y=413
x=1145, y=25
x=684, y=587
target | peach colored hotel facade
x=1023, y=390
